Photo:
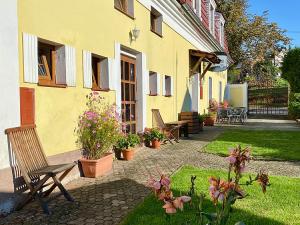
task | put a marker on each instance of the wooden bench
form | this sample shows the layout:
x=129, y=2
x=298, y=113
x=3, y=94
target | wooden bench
x=35, y=169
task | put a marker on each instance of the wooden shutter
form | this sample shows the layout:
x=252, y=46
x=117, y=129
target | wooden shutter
x=30, y=57
x=87, y=69
x=201, y=89
x=61, y=65
x=70, y=66
x=27, y=106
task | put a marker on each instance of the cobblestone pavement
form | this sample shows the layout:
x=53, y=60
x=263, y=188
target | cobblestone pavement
x=107, y=200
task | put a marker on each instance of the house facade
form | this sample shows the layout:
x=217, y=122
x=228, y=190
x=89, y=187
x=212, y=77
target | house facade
x=138, y=54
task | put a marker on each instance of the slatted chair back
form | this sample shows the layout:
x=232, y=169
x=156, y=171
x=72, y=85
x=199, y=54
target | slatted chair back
x=26, y=146
x=157, y=120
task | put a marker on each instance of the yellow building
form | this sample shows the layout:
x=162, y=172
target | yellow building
x=136, y=53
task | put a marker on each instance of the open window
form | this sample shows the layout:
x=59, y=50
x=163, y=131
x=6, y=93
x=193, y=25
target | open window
x=154, y=84
x=125, y=6
x=99, y=73
x=51, y=64
x=156, y=21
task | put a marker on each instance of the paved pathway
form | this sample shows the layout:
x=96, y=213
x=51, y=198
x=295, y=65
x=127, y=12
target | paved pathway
x=108, y=200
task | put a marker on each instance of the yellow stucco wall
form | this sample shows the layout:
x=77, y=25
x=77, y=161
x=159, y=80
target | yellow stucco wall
x=217, y=77
x=95, y=25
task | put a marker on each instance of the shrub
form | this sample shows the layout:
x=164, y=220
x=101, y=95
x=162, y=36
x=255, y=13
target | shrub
x=294, y=105
x=291, y=69
x=128, y=141
x=98, y=128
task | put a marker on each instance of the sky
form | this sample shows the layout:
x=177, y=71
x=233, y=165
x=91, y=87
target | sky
x=285, y=12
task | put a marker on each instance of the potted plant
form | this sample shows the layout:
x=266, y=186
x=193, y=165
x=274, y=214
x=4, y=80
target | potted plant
x=156, y=137
x=126, y=144
x=201, y=121
x=98, y=130
x=147, y=137
x=213, y=108
x=209, y=119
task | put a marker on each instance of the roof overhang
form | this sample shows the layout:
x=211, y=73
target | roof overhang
x=197, y=57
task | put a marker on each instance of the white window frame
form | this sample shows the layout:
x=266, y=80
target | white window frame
x=212, y=5
x=196, y=5
x=222, y=30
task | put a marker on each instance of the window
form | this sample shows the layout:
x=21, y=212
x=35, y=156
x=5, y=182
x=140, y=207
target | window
x=196, y=4
x=156, y=21
x=222, y=34
x=51, y=64
x=211, y=19
x=125, y=6
x=210, y=89
x=154, y=84
x=220, y=92
x=168, y=86
x=99, y=73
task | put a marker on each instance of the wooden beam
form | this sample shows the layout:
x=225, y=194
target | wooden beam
x=205, y=70
x=196, y=66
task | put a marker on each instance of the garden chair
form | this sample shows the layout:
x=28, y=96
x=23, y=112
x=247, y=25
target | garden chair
x=224, y=115
x=33, y=164
x=239, y=115
x=168, y=131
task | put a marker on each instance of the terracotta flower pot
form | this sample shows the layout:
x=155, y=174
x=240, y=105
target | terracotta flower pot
x=209, y=121
x=97, y=168
x=155, y=144
x=128, y=154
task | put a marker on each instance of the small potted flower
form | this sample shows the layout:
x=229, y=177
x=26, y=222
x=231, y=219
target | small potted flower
x=156, y=137
x=97, y=131
x=126, y=144
x=201, y=121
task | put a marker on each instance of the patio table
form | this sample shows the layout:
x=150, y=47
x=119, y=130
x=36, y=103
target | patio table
x=183, y=127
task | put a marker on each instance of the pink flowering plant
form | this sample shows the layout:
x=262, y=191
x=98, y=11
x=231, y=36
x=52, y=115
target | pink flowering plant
x=213, y=106
x=223, y=193
x=163, y=192
x=99, y=127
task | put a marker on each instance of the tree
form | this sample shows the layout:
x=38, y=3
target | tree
x=291, y=69
x=251, y=38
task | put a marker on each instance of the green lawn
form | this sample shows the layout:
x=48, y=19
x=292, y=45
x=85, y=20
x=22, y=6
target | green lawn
x=280, y=205
x=283, y=145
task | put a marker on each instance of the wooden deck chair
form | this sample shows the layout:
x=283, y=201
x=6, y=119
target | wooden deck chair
x=33, y=164
x=158, y=122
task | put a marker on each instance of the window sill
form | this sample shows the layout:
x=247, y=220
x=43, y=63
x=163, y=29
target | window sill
x=168, y=96
x=47, y=84
x=158, y=34
x=125, y=13
x=153, y=94
x=101, y=89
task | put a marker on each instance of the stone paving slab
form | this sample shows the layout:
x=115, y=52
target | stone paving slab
x=108, y=200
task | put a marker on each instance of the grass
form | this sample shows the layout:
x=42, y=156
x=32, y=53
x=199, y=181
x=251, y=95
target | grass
x=279, y=206
x=281, y=145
